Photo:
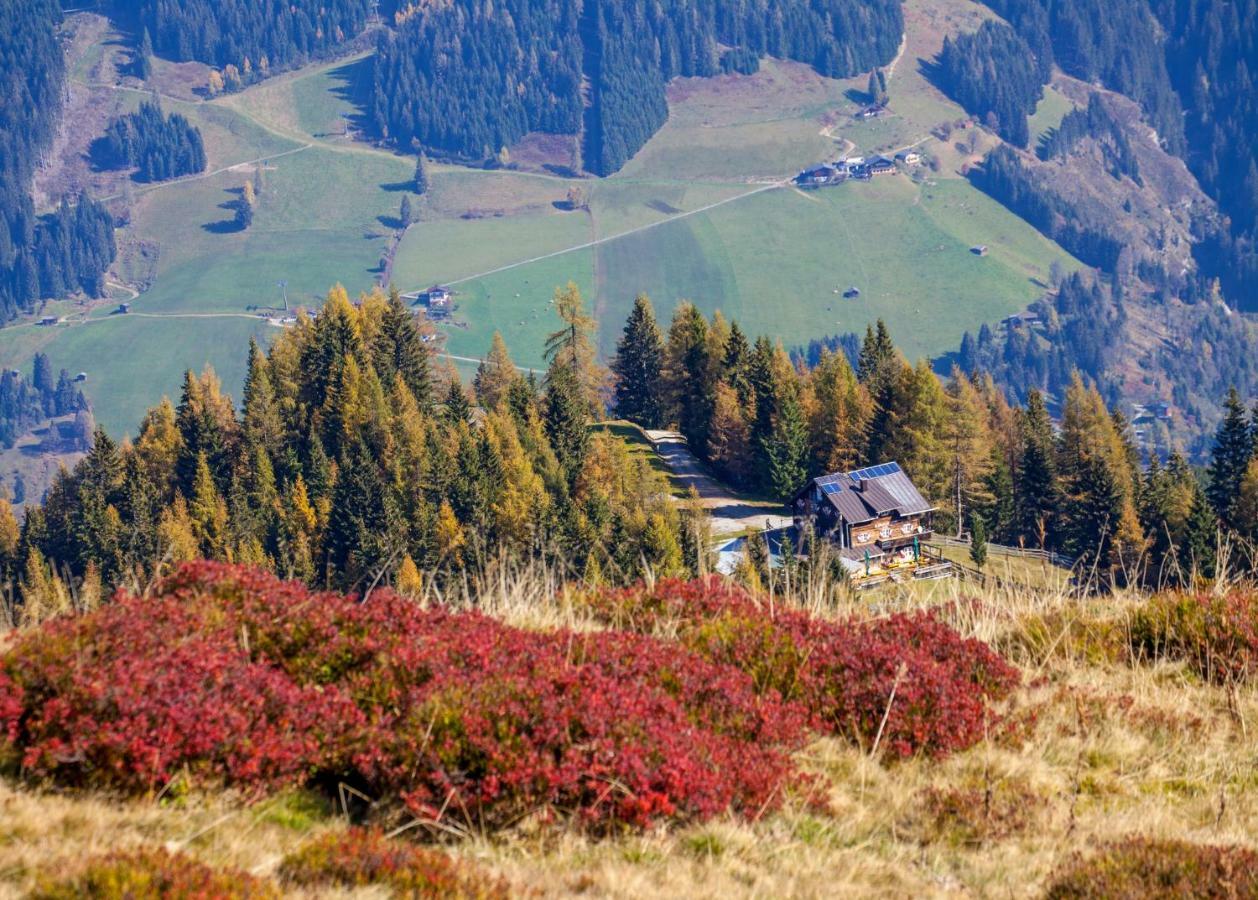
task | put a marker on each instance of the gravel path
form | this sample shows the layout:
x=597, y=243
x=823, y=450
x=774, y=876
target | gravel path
x=730, y=513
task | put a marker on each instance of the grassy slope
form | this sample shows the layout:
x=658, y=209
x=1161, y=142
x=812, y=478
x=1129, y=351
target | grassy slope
x=773, y=259
x=1112, y=749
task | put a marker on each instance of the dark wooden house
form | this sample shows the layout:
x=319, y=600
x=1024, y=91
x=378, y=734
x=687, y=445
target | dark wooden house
x=872, y=515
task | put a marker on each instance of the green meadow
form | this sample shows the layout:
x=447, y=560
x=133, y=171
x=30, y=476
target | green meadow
x=703, y=212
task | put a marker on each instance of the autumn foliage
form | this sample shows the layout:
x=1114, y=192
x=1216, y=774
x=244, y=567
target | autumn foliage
x=1141, y=867
x=228, y=676
x=909, y=683
x=154, y=874
x=361, y=857
x=1216, y=635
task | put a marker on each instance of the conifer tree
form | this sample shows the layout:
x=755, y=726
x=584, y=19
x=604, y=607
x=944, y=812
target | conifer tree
x=9, y=537
x=978, y=541
x=144, y=56
x=262, y=427
x=729, y=441
x=687, y=364
x=638, y=367
x=456, y=409
x=839, y=415
x=879, y=369
x=735, y=363
x=567, y=419
x=421, y=174
x=1229, y=458
x=968, y=441
x=1202, y=535
x=495, y=375
x=572, y=346
x=207, y=511
x=786, y=449
x=363, y=526
x=405, y=213
x=1035, y=499
x=398, y=348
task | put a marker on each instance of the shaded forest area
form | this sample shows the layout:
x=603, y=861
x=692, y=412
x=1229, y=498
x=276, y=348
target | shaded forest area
x=467, y=79
x=158, y=146
x=995, y=75
x=250, y=35
x=69, y=249
x=25, y=403
x=1190, y=65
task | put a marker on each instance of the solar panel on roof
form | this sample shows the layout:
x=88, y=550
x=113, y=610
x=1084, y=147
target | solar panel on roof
x=831, y=488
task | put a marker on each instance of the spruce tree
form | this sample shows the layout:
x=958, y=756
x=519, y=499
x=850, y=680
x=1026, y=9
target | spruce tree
x=1229, y=458
x=638, y=367
x=456, y=410
x=687, y=368
x=144, y=57
x=421, y=174
x=399, y=349
x=735, y=363
x=1202, y=535
x=405, y=213
x=786, y=450
x=978, y=541
x=878, y=368
x=1035, y=490
x=567, y=421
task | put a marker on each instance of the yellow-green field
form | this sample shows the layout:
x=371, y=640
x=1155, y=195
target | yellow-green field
x=703, y=212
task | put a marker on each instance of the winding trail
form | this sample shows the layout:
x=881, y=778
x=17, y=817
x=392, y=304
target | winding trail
x=728, y=513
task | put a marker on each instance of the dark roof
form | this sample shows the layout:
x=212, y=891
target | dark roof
x=865, y=494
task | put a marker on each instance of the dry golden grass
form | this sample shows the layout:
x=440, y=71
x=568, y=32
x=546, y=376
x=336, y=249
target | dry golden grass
x=1094, y=748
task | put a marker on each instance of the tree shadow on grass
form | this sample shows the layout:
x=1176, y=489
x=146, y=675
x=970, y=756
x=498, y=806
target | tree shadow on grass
x=398, y=187
x=228, y=226
x=350, y=83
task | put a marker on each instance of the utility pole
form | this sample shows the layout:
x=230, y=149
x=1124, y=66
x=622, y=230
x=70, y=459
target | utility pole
x=283, y=285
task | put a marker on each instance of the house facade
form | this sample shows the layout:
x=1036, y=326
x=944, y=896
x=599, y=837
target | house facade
x=872, y=515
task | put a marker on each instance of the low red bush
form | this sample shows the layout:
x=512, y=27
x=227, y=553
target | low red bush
x=1216, y=635
x=843, y=673
x=129, y=697
x=10, y=711
x=153, y=874
x=238, y=678
x=360, y=857
x=1141, y=867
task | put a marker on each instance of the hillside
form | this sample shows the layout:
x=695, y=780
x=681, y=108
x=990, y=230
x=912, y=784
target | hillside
x=1103, y=742
x=328, y=211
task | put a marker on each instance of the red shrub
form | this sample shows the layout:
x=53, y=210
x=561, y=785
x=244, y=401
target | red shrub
x=10, y=710
x=130, y=696
x=237, y=677
x=360, y=857
x=154, y=874
x=843, y=673
x=1217, y=636
x=1141, y=867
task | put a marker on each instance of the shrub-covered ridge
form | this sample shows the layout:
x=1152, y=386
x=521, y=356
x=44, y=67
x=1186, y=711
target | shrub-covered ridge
x=908, y=682
x=228, y=676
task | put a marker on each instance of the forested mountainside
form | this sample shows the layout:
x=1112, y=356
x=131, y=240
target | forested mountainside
x=996, y=75
x=1212, y=53
x=24, y=403
x=251, y=35
x=1151, y=324
x=70, y=249
x=1116, y=43
x=1190, y=64
x=467, y=79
